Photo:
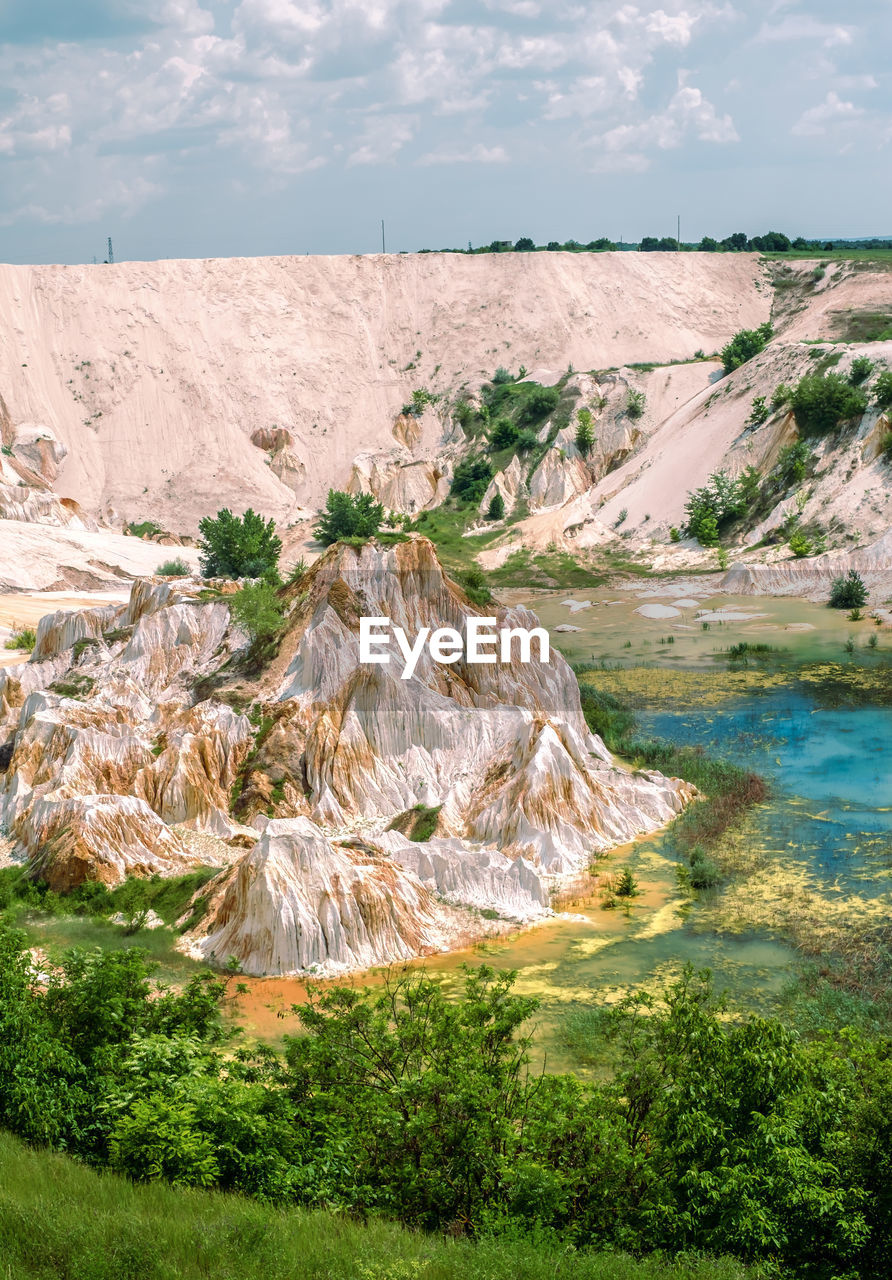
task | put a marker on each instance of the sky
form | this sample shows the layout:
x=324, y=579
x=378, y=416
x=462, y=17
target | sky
x=206, y=128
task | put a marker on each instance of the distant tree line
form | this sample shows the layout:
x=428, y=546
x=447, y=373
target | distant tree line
x=738, y=242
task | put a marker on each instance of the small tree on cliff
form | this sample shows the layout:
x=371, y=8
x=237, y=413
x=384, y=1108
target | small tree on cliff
x=496, y=509
x=348, y=515
x=239, y=546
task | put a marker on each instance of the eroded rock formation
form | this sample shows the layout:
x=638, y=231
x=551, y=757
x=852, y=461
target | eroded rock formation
x=126, y=731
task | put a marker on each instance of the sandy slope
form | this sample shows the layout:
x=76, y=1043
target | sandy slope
x=39, y=557
x=156, y=375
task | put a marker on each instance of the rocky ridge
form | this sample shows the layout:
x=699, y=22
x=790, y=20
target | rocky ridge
x=127, y=730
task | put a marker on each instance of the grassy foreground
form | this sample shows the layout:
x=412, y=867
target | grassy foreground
x=62, y=1221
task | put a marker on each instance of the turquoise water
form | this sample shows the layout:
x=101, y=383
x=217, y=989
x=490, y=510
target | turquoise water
x=830, y=771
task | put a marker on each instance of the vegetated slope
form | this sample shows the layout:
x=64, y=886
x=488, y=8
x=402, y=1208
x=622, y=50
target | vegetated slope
x=59, y=1218
x=846, y=490
x=156, y=376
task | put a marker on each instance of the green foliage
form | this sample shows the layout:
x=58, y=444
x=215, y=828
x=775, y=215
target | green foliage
x=791, y=466
x=145, y=529
x=474, y=584
x=503, y=434
x=636, y=402
x=296, y=572
x=882, y=389
x=418, y=823
x=821, y=402
x=674, y=534
x=348, y=515
x=421, y=398
x=501, y=376
x=717, y=504
x=625, y=884
x=538, y=404
x=848, y=591
x=101, y=1226
x=862, y=368
x=781, y=395
x=496, y=508
x=886, y=445
x=800, y=545
x=21, y=638
x=526, y=442
x=257, y=611
x=759, y=412
x=703, y=873
x=744, y=345
x=176, y=568
x=471, y=478
x=238, y=546
x=585, y=433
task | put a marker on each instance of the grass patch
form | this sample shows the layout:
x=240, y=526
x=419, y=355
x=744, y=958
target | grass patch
x=78, y=687
x=145, y=529
x=59, y=1219
x=418, y=823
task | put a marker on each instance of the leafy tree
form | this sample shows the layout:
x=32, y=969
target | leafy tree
x=524, y=245
x=504, y=434
x=585, y=434
x=862, y=368
x=848, y=591
x=601, y=245
x=496, y=508
x=736, y=242
x=526, y=442
x=649, y=244
x=708, y=245
x=800, y=545
x=821, y=403
x=771, y=242
x=470, y=479
x=502, y=376
x=425, y=1093
x=710, y=508
x=744, y=345
x=553, y=245
x=348, y=515
x=882, y=389
x=238, y=546
x=258, y=611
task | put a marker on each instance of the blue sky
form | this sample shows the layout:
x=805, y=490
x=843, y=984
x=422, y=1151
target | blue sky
x=213, y=127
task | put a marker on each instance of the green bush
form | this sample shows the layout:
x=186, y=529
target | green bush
x=536, y=406
x=744, y=345
x=471, y=478
x=496, y=508
x=636, y=402
x=848, y=591
x=713, y=507
x=173, y=568
x=821, y=402
x=759, y=412
x=703, y=872
x=800, y=545
x=503, y=434
x=21, y=638
x=791, y=466
x=348, y=515
x=238, y=546
x=862, y=368
x=502, y=376
x=882, y=389
x=780, y=396
x=886, y=445
x=258, y=611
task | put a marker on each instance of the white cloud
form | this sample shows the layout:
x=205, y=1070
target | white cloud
x=798, y=27
x=832, y=111
x=478, y=154
x=626, y=146
x=382, y=139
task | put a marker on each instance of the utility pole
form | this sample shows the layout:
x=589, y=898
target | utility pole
x=111, y=252
x=383, y=242
x=678, y=237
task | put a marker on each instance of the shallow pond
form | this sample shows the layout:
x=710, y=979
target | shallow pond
x=817, y=854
